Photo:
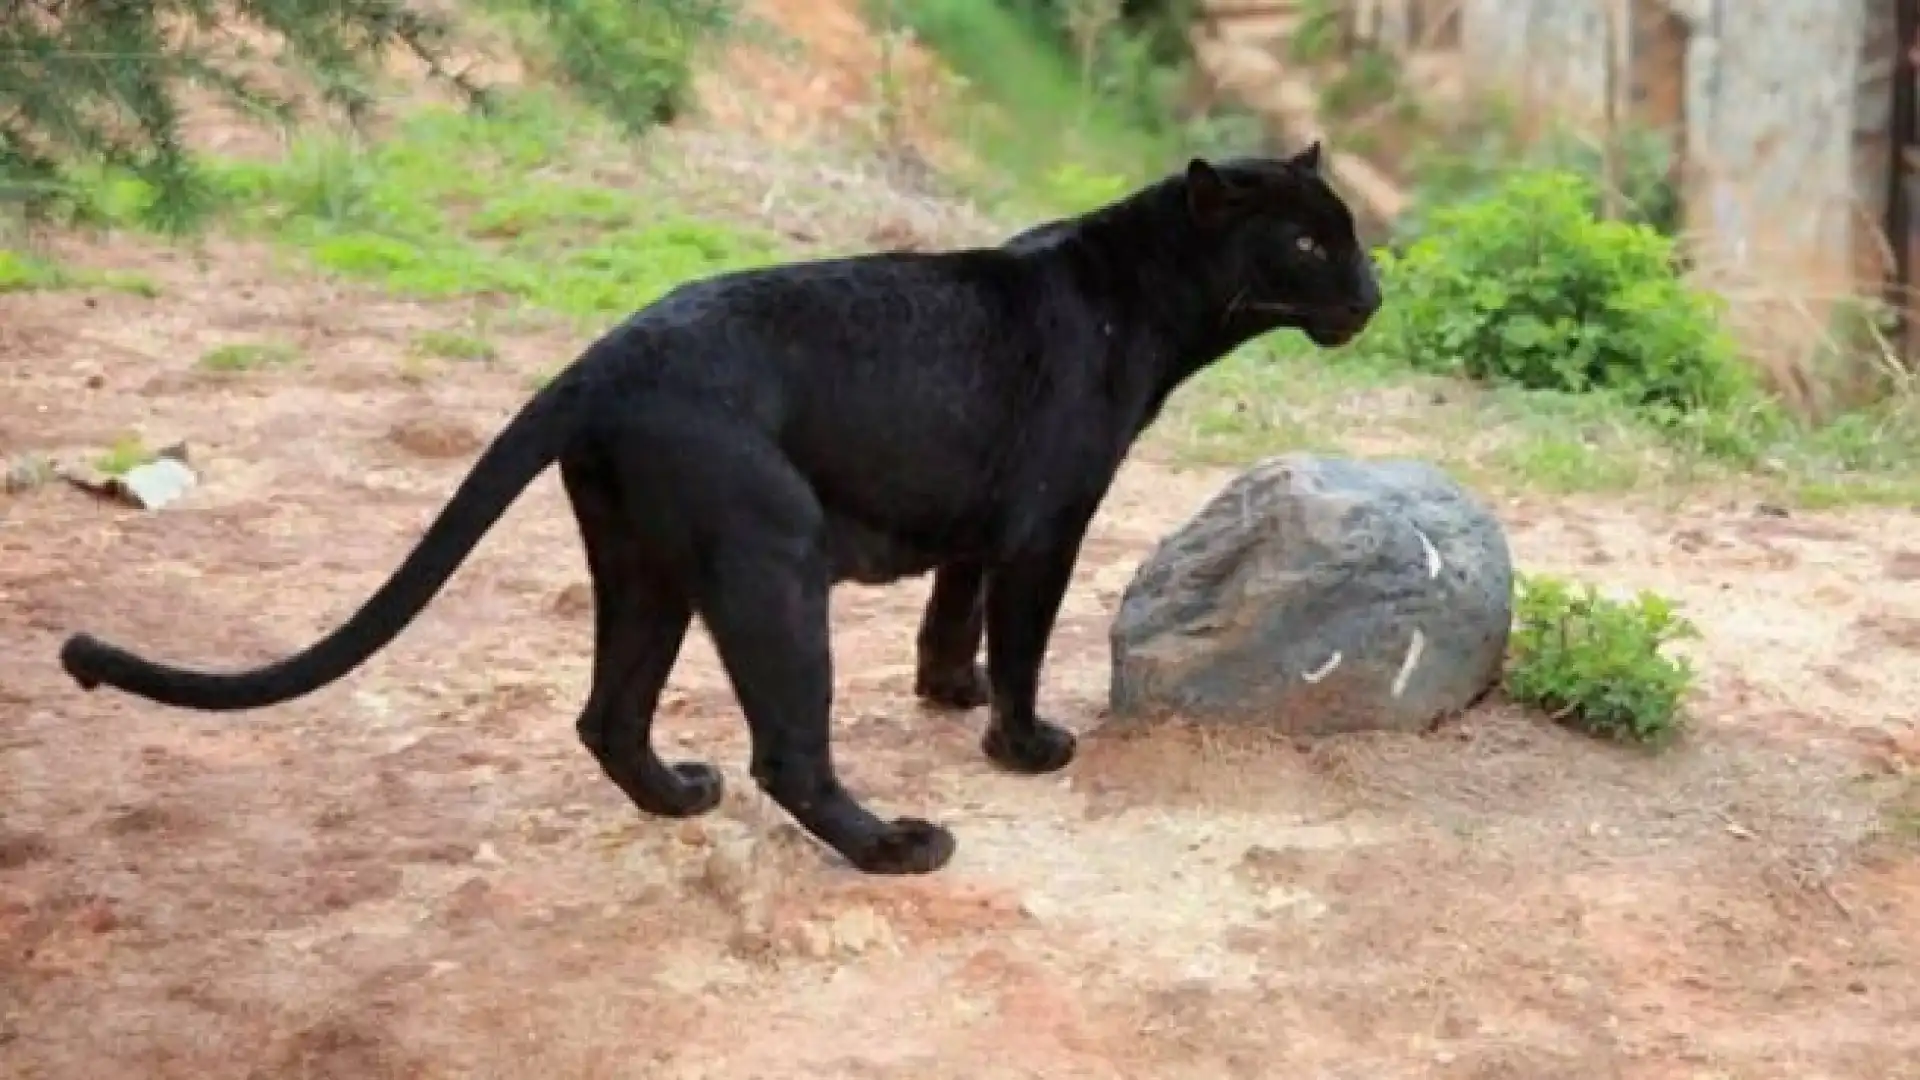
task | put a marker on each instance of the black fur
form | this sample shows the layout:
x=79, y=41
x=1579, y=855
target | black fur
x=749, y=440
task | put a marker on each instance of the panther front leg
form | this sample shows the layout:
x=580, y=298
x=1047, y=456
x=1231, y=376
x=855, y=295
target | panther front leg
x=947, y=673
x=1023, y=599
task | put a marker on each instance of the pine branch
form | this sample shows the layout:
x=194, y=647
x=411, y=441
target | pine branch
x=97, y=80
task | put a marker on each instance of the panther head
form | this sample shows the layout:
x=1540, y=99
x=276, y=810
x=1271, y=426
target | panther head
x=1286, y=244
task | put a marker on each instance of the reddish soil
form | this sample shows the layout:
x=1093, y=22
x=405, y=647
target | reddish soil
x=417, y=872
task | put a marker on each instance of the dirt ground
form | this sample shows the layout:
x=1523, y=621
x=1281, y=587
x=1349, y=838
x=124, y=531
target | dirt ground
x=418, y=873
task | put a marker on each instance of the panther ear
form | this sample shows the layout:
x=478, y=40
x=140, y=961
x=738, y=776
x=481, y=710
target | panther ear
x=1208, y=196
x=1308, y=159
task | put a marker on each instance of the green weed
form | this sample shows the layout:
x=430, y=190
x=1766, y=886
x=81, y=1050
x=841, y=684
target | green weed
x=128, y=452
x=1596, y=664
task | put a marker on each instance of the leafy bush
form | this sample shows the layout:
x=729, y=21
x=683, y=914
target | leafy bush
x=1526, y=286
x=1596, y=663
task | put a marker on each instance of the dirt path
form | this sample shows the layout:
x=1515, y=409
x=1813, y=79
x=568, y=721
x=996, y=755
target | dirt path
x=417, y=873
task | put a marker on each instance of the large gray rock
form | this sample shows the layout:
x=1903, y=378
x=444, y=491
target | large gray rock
x=1319, y=595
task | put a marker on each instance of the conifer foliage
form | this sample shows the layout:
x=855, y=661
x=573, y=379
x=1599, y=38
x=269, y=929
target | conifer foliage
x=97, y=80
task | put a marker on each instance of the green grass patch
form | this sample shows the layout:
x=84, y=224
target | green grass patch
x=456, y=204
x=1902, y=812
x=1827, y=494
x=1564, y=464
x=1280, y=394
x=454, y=345
x=121, y=282
x=20, y=272
x=1271, y=396
x=248, y=356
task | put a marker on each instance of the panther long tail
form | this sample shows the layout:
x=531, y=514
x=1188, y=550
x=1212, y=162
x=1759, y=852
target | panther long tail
x=530, y=442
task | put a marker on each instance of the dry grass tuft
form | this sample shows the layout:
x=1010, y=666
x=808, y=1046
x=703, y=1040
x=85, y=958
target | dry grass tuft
x=1810, y=343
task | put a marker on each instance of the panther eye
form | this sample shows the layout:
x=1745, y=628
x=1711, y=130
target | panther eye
x=1311, y=247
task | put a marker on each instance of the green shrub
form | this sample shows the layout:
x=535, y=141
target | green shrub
x=1525, y=286
x=1596, y=663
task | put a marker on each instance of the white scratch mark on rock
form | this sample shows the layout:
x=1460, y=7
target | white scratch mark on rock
x=1323, y=670
x=1414, y=648
x=1433, y=554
